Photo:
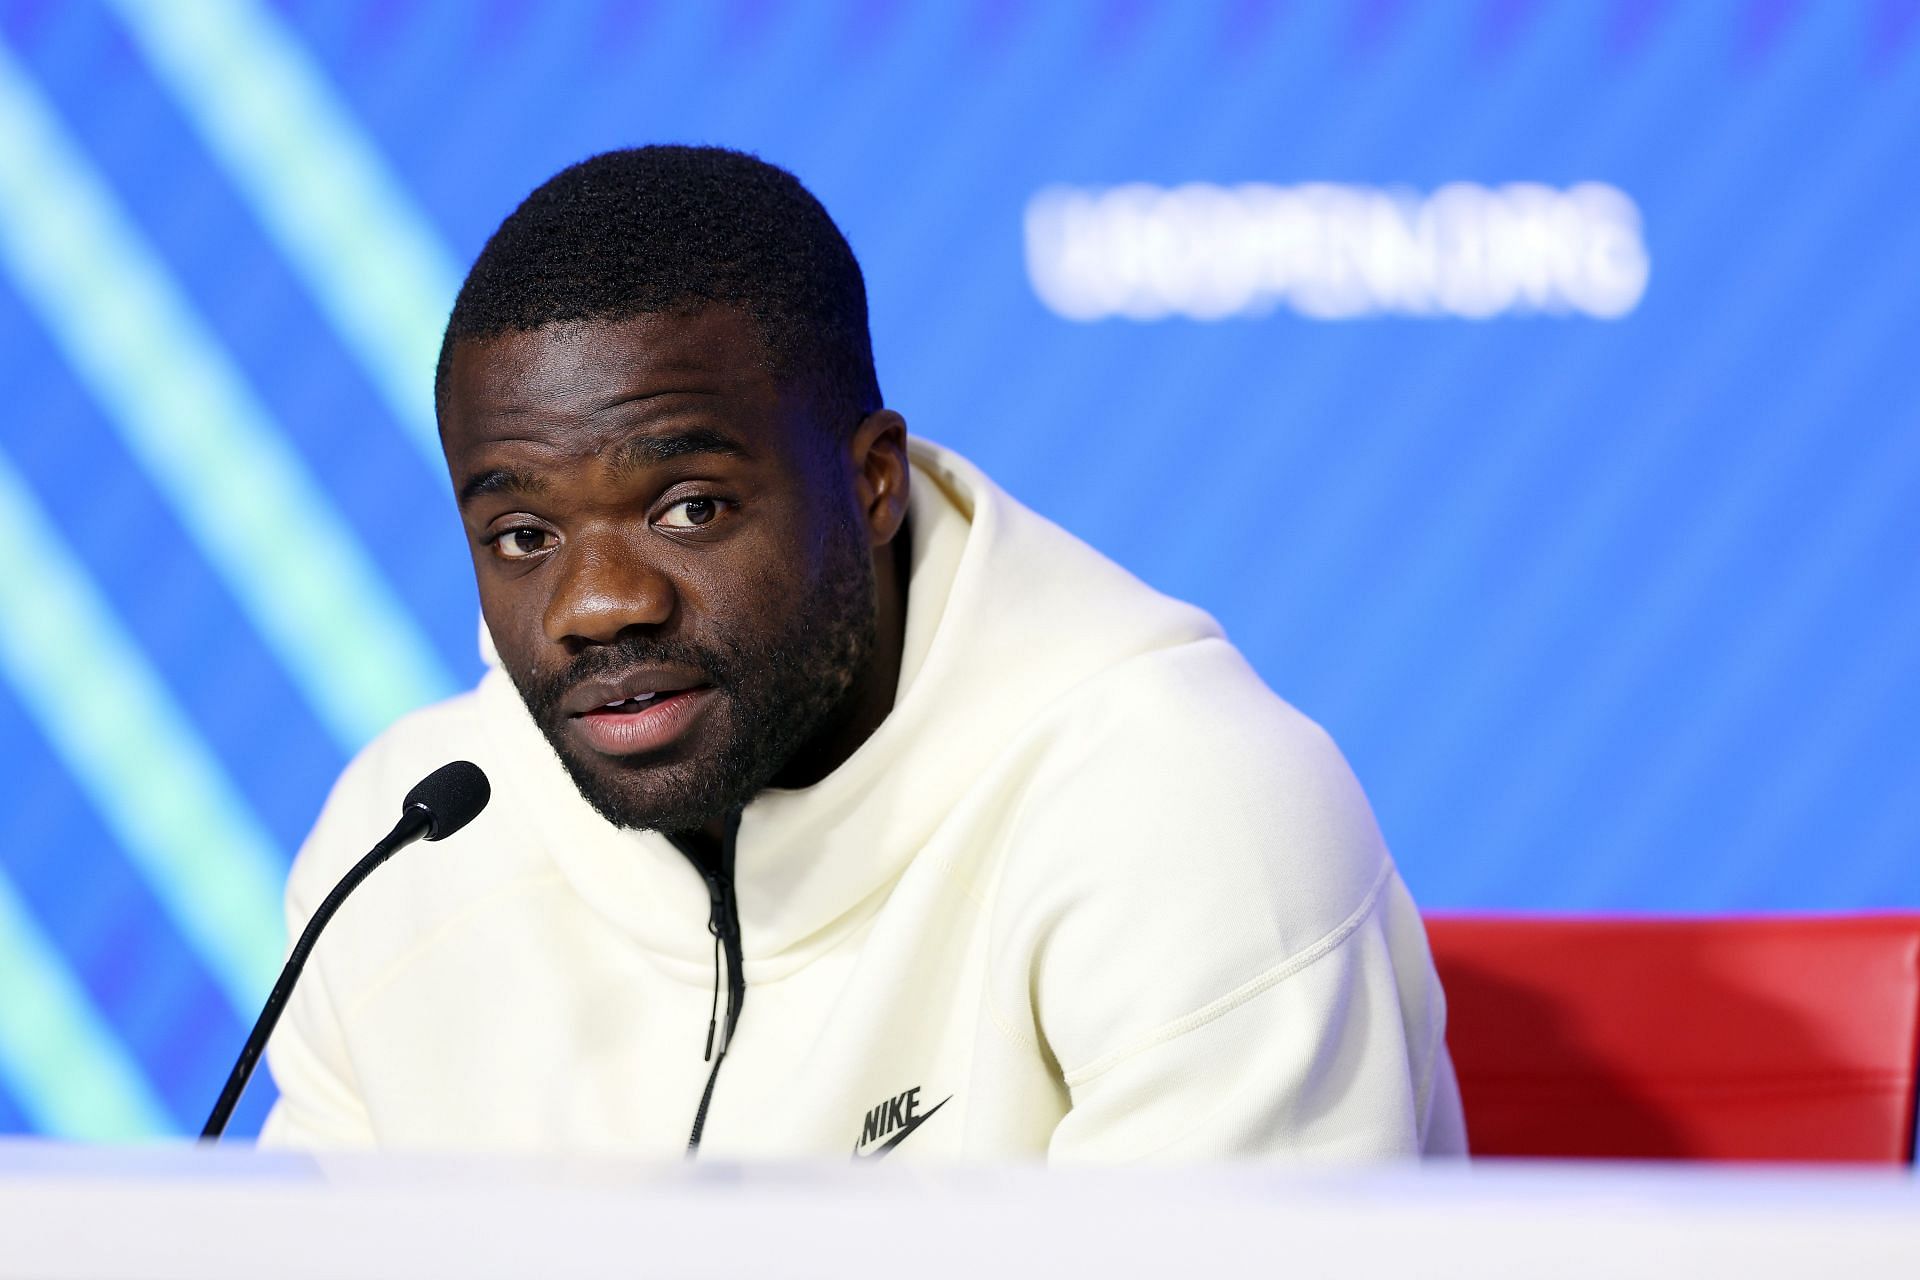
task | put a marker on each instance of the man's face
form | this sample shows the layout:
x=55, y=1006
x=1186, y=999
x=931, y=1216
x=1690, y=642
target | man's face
x=670, y=554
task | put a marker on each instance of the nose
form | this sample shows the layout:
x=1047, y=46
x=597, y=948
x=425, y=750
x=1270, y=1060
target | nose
x=605, y=587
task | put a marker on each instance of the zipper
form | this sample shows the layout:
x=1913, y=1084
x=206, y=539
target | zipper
x=723, y=922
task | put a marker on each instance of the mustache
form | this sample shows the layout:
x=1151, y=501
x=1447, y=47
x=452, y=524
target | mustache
x=543, y=693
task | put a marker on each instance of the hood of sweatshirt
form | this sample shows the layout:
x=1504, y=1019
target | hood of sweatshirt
x=1006, y=613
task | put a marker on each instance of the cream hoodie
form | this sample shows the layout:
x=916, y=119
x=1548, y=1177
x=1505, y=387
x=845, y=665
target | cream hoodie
x=1091, y=892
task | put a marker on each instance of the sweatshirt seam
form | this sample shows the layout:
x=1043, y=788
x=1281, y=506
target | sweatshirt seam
x=984, y=904
x=1019, y=1039
x=391, y=973
x=1265, y=981
x=1021, y=741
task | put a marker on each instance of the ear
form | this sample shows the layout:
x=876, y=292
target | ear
x=880, y=473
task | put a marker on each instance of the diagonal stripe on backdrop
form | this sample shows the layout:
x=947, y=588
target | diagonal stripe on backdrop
x=196, y=428
x=318, y=186
x=67, y=1070
x=154, y=782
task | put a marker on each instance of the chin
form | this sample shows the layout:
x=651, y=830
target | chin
x=684, y=789
x=676, y=796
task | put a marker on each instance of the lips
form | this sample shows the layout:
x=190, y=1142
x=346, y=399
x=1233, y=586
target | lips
x=634, y=684
x=644, y=710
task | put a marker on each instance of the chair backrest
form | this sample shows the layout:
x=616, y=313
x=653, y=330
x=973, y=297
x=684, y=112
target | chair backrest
x=1783, y=1038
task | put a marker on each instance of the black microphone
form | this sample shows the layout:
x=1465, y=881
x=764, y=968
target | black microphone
x=445, y=800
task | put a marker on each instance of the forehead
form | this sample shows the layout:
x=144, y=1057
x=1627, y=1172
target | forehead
x=582, y=378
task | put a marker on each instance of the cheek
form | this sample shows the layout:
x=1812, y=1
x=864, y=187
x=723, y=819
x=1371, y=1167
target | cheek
x=769, y=585
x=512, y=620
x=731, y=596
x=758, y=574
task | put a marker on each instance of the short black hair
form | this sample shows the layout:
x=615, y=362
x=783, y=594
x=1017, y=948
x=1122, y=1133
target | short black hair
x=662, y=228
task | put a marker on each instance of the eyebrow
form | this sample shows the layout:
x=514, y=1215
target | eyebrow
x=665, y=446
x=634, y=452
x=499, y=480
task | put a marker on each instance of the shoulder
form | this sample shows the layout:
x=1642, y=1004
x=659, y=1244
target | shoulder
x=1181, y=769
x=1182, y=832
x=412, y=747
x=365, y=802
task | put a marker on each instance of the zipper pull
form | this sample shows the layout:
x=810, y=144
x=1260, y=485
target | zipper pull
x=713, y=1010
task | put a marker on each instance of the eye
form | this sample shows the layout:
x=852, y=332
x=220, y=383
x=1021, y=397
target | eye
x=522, y=543
x=691, y=513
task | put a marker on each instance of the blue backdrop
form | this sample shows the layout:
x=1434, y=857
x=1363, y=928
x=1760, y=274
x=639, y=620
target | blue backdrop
x=1530, y=388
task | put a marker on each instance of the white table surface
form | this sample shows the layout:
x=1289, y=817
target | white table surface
x=179, y=1211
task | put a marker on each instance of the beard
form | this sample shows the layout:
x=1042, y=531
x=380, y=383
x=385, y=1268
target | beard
x=775, y=688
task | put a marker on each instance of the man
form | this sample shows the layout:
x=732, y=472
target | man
x=841, y=805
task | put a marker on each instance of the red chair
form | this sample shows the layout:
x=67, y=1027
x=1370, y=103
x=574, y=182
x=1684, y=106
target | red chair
x=1788, y=1038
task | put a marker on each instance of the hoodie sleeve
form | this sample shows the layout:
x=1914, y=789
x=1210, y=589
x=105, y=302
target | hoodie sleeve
x=1216, y=949
x=1319, y=1057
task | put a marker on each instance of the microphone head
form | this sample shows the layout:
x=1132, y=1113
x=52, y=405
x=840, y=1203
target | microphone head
x=451, y=796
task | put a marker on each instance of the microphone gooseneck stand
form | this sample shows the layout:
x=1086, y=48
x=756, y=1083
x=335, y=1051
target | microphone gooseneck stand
x=446, y=800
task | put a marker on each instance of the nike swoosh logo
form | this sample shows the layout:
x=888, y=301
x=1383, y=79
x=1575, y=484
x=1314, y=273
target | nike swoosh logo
x=905, y=1131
